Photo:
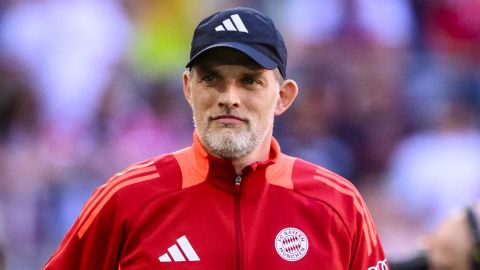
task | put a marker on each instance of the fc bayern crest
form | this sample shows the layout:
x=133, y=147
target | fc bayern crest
x=291, y=244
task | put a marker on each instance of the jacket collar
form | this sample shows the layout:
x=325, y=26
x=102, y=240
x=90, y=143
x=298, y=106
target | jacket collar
x=221, y=172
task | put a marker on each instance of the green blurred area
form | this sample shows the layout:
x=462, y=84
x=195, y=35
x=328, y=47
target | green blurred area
x=162, y=38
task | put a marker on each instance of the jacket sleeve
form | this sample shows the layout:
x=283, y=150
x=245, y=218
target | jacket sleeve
x=94, y=240
x=367, y=249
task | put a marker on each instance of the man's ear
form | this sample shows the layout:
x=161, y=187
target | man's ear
x=288, y=93
x=186, y=86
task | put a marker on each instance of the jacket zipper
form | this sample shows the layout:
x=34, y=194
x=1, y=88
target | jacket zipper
x=238, y=232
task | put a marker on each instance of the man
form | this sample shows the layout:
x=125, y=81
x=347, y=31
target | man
x=453, y=245
x=232, y=200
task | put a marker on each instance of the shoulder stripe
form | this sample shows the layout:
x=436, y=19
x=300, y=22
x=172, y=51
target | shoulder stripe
x=344, y=182
x=104, y=192
x=367, y=226
x=103, y=189
x=98, y=208
x=339, y=179
x=137, y=166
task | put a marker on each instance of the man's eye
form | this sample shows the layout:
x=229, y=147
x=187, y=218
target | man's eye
x=249, y=81
x=209, y=77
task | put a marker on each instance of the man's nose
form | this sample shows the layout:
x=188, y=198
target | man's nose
x=229, y=96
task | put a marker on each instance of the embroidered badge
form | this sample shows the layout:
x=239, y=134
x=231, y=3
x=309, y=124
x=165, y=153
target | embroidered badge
x=291, y=244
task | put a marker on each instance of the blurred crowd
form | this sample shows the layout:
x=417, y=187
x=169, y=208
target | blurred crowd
x=389, y=97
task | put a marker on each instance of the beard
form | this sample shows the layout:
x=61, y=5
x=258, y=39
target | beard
x=230, y=142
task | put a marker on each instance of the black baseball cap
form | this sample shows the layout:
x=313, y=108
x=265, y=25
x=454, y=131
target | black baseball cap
x=243, y=29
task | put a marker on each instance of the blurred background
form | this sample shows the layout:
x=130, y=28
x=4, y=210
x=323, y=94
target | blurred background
x=389, y=98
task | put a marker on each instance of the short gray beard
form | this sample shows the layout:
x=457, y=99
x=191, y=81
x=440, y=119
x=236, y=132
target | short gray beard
x=230, y=145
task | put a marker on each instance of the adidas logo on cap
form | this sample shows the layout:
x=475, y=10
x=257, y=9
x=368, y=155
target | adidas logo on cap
x=230, y=26
x=264, y=43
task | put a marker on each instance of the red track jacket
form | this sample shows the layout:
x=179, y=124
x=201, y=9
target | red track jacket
x=189, y=210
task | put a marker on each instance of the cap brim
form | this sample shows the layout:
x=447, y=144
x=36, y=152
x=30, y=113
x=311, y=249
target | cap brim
x=256, y=55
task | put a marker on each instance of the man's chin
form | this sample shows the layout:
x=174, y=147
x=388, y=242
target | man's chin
x=228, y=143
x=224, y=132
x=226, y=138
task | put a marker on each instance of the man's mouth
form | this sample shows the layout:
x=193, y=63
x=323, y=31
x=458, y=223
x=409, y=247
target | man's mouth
x=228, y=119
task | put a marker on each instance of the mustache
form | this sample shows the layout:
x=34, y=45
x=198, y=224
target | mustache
x=228, y=113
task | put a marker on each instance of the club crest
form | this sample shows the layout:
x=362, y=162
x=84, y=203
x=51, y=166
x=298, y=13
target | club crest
x=291, y=244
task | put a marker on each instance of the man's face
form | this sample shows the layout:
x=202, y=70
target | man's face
x=234, y=102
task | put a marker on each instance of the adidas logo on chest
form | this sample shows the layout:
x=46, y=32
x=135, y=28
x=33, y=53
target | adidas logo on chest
x=181, y=251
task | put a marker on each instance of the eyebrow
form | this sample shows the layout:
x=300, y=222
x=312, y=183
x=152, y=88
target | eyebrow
x=203, y=69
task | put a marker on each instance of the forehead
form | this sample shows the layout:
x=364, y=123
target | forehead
x=226, y=56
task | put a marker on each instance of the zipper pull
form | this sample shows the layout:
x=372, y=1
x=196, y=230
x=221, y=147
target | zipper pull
x=238, y=182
